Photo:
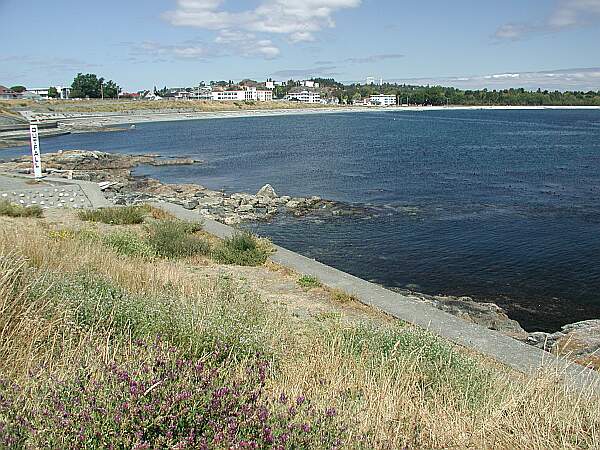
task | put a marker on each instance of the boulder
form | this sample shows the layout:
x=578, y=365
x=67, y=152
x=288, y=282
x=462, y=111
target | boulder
x=245, y=208
x=232, y=220
x=189, y=204
x=266, y=191
x=580, y=342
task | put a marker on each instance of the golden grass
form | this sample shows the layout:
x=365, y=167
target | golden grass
x=395, y=387
x=146, y=105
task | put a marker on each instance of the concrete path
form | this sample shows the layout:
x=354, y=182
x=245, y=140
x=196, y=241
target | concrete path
x=50, y=192
x=513, y=353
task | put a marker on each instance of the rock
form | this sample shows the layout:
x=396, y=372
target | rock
x=245, y=208
x=284, y=199
x=232, y=202
x=266, y=191
x=265, y=201
x=488, y=315
x=293, y=204
x=190, y=204
x=173, y=162
x=580, y=342
x=232, y=220
x=208, y=202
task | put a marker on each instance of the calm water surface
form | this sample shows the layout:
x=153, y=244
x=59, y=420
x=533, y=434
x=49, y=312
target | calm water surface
x=500, y=205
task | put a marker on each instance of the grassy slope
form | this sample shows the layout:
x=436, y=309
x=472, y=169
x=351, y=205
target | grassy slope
x=145, y=105
x=69, y=303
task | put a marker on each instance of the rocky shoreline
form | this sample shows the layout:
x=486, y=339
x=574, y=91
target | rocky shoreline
x=114, y=173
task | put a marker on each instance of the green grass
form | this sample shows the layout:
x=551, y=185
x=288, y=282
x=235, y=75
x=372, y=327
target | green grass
x=126, y=215
x=12, y=210
x=242, y=249
x=309, y=282
x=176, y=239
x=129, y=244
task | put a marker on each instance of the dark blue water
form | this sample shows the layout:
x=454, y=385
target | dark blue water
x=500, y=205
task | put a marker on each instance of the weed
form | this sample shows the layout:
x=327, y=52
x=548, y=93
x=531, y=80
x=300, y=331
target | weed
x=13, y=210
x=126, y=215
x=242, y=249
x=129, y=244
x=176, y=239
x=160, y=400
x=309, y=282
x=340, y=296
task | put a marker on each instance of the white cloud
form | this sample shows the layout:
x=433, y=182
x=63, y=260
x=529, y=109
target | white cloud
x=187, y=50
x=297, y=20
x=373, y=58
x=327, y=71
x=567, y=14
x=584, y=79
x=247, y=44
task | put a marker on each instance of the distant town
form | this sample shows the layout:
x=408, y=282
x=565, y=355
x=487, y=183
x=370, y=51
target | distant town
x=303, y=91
x=372, y=92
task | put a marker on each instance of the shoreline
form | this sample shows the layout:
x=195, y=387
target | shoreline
x=81, y=122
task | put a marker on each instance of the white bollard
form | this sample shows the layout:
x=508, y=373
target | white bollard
x=36, y=155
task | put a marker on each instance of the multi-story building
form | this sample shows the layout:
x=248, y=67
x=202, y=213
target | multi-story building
x=383, y=100
x=304, y=95
x=246, y=94
x=309, y=84
x=63, y=92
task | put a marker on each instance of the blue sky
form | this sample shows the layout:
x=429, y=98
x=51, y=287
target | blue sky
x=552, y=44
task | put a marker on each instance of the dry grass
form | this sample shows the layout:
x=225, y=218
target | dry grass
x=146, y=105
x=392, y=386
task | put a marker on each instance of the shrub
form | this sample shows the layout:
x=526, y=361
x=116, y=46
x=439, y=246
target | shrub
x=12, y=210
x=126, y=215
x=129, y=244
x=160, y=400
x=175, y=239
x=309, y=281
x=242, y=249
x=339, y=296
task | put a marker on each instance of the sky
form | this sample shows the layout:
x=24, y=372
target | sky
x=547, y=44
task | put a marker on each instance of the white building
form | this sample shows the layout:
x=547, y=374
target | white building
x=271, y=84
x=383, y=100
x=247, y=94
x=63, y=92
x=309, y=84
x=373, y=80
x=304, y=96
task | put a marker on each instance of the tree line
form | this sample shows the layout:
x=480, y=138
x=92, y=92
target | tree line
x=439, y=95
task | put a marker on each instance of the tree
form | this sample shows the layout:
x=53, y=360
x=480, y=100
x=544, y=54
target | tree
x=53, y=92
x=90, y=86
x=111, y=90
x=18, y=88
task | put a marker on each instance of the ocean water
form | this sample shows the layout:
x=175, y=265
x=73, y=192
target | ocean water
x=503, y=206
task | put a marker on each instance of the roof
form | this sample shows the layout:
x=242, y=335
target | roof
x=298, y=90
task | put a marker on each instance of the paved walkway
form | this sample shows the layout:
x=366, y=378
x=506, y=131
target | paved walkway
x=50, y=192
x=506, y=350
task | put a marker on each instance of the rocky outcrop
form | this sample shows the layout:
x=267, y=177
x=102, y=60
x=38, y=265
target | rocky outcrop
x=578, y=341
x=267, y=191
x=114, y=174
x=488, y=315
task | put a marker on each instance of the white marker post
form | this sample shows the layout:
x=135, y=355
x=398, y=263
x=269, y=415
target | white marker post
x=36, y=155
